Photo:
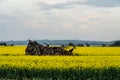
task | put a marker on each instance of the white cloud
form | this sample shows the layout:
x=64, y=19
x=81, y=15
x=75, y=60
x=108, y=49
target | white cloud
x=63, y=19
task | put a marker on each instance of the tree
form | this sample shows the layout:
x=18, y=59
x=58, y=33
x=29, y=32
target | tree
x=81, y=45
x=103, y=45
x=12, y=45
x=116, y=43
x=71, y=44
x=87, y=44
x=3, y=44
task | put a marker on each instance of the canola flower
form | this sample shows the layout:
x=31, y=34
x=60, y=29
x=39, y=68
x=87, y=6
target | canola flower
x=92, y=63
x=80, y=51
x=60, y=61
x=12, y=50
x=97, y=51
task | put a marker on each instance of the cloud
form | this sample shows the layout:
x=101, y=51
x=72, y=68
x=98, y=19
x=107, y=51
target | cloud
x=94, y=19
x=103, y=3
x=63, y=19
x=73, y=3
x=45, y=6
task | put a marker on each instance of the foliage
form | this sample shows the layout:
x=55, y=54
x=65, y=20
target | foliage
x=67, y=67
x=87, y=44
x=92, y=63
x=116, y=43
x=80, y=45
x=70, y=44
x=3, y=44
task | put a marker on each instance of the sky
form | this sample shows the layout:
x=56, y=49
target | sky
x=97, y=20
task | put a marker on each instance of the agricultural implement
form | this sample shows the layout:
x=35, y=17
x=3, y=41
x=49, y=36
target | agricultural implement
x=34, y=48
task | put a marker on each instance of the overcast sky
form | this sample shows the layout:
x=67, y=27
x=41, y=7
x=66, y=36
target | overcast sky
x=60, y=19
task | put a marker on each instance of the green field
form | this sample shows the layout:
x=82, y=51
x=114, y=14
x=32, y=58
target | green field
x=87, y=63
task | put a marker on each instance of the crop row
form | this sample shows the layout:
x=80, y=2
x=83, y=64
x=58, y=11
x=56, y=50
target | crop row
x=81, y=51
x=58, y=67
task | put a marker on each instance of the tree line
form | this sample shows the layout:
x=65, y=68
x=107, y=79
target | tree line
x=5, y=44
x=115, y=44
x=81, y=45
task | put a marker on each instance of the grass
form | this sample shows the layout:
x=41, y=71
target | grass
x=92, y=63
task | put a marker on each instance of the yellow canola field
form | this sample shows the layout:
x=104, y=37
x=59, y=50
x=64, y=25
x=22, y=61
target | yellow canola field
x=82, y=51
x=94, y=57
x=91, y=63
x=12, y=50
x=97, y=51
x=60, y=62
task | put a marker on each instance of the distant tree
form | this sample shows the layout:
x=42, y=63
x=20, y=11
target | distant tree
x=11, y=44
x=1, y=44
x=4, y=44
x=103, y=45
x=117, y=43
x=71, y=44
x=88, y=45
x=81, y=45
